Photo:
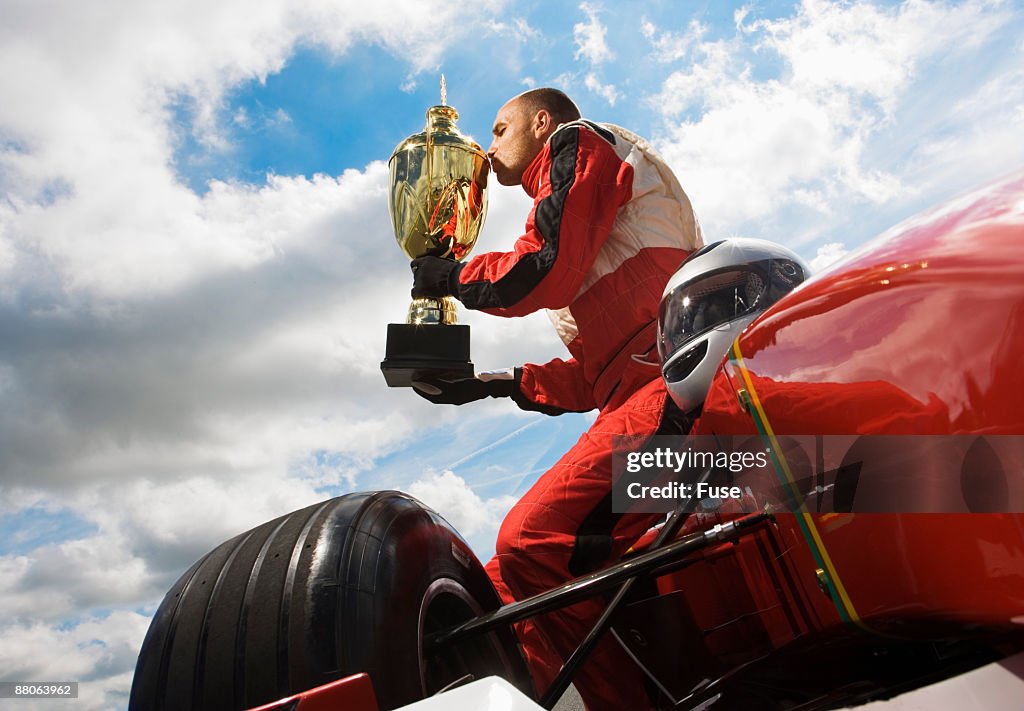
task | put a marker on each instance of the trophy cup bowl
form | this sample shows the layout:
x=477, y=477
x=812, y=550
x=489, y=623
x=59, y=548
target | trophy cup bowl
x=438, y=202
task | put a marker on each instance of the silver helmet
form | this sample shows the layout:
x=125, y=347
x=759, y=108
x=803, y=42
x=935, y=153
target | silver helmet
x=713, y=296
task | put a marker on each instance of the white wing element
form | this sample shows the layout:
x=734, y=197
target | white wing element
x=490, y=694
x=988, y=688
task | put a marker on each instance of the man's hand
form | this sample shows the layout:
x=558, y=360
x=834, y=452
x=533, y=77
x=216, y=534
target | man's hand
x=459, y=392
x=434, y=277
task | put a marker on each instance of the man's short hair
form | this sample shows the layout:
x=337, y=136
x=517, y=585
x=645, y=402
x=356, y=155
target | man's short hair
x=555, y=102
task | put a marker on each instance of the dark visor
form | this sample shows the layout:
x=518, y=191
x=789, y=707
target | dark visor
x=717, y=298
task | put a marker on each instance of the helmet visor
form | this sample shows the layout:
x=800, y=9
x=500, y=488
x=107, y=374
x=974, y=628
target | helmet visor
x=701, y=305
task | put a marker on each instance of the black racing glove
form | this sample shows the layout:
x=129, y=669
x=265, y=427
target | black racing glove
x=434, y=277
x=459, y=392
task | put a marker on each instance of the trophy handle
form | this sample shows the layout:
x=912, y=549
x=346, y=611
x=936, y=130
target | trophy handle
x=425, y=311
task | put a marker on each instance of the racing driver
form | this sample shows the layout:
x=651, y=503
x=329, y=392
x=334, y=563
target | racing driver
x=609, y=225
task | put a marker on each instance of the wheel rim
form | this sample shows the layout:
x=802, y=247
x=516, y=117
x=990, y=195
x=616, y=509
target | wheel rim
x=445, y=604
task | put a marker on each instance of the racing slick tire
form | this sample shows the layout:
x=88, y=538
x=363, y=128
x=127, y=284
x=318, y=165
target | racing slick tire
x=353, y=584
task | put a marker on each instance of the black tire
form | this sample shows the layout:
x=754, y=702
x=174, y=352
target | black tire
x=350, y=585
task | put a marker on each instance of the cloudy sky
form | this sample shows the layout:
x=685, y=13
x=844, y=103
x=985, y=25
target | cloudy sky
x=197, y=266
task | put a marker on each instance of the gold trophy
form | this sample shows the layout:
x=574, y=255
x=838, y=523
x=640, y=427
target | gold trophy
x=438, y=203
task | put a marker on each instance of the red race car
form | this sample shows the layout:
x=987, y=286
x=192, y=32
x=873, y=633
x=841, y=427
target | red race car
x=836, y=578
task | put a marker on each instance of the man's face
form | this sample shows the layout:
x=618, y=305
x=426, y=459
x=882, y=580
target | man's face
x=518, y=137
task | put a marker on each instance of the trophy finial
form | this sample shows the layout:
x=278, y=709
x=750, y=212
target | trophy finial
x=444, y=92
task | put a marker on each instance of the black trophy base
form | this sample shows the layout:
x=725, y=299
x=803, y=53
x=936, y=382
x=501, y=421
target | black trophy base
x=434, y=351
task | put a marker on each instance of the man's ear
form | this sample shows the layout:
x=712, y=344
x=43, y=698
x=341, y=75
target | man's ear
x=543, y=124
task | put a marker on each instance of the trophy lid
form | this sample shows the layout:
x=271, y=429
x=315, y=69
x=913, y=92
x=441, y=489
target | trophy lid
x=441, y=119
x=440, y=129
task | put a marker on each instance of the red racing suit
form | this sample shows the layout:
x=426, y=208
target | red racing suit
x=610, y=224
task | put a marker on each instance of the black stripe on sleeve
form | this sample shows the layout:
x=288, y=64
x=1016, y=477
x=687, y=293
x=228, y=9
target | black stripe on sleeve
x=531, y=268
x=600, y=131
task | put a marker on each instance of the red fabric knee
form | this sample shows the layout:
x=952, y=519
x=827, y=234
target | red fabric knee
x=564, y=526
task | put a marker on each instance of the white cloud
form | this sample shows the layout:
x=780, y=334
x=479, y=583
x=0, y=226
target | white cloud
x=975, y=134
x=7, y=259
x=98, y=652
x=589, y=37
x=525, y=31
x=669, y=46
x=869, y=50
x=605, y=91
x=518, y=28
x=752, y=147
x=449, y=495
x=827, y=255
x=739, y=15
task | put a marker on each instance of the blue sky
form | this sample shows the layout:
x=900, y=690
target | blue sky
x=197, y=266
x=322, y=113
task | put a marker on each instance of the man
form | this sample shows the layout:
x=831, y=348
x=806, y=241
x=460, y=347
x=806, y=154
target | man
x=609, y=226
